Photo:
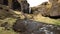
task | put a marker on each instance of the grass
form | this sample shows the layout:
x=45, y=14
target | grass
x=46, y=19
x=39, y=18
x=12, y=20
x=3, y=31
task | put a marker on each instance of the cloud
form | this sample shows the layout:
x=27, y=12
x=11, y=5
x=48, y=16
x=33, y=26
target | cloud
x=35, y=2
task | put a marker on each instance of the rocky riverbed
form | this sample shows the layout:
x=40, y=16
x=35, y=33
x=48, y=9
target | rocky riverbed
x=34, y=27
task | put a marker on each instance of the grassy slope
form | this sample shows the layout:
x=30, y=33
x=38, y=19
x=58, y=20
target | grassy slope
x=11, y=17
x=35, y=18
x=38, y=17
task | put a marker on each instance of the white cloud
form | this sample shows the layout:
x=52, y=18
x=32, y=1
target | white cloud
x=35, y=2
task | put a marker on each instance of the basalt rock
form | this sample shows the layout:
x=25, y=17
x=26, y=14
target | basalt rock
x=24, y=5
x=42, y=9
x=49, y=9
x=21, y=5
x=33, y=27
x=54, y=10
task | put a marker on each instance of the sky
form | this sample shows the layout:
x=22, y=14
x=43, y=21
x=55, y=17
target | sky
x=35, y=2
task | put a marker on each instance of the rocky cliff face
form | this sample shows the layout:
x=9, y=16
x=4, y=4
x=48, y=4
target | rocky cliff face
x=50, y=8
x=30, y=23
x=21, y=5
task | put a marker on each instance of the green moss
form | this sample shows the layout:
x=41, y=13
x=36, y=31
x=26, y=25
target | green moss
x=10, y=22
x=3, y=31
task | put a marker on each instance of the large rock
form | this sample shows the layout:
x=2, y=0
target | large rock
x=33, y=27
x=42, y=9
x=55, y=9
x=50, y=9
x=24, y=5
x=21, y=5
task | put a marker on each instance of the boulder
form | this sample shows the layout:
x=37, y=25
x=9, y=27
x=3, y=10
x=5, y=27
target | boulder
x=24, y=5
x=26, y=26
